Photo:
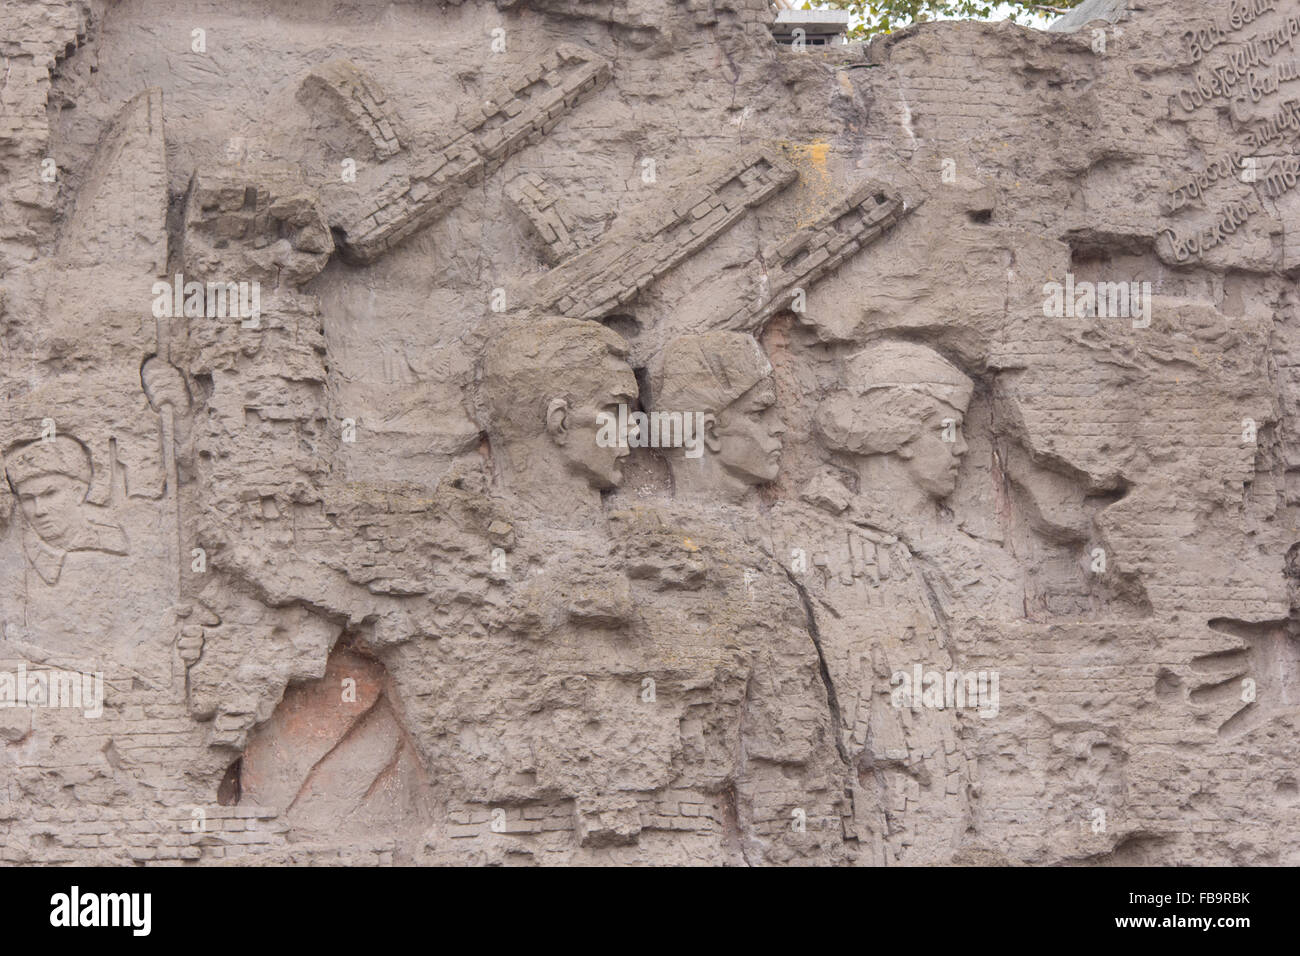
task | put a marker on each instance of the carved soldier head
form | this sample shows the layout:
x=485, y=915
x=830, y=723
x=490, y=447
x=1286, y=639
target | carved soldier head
x=542, y=387
x=51, y=480
x=724, y=378
x=899, y=411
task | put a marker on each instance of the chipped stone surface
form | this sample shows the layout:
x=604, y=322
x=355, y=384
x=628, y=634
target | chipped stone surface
x=960, y=526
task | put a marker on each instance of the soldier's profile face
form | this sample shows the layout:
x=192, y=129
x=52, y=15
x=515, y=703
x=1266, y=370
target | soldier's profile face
x=937, y=452
x=602, y=467
x=51, y=505
x=750, y=431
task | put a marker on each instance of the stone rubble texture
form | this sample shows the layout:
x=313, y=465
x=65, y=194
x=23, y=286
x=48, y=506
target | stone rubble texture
x=362, y=585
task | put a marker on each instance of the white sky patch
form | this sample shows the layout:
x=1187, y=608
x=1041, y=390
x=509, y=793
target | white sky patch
x=1003, y=11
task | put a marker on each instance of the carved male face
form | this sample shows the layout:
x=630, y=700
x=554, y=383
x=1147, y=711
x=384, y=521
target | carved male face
x=746, y=436
x=545, y=386
x=52, y=505
x=934, y=456
x=574, y=427
x=725, y=378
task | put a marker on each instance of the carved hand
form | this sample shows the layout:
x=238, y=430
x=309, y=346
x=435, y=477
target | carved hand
x=165, y=385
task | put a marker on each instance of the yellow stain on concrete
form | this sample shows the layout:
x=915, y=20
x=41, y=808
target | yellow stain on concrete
x=815, y=190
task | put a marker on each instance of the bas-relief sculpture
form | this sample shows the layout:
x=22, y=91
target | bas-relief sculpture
x=701, y=490
x=51, y=480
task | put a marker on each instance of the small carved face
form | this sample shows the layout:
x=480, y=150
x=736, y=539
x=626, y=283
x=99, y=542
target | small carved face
x=748, y=435
x=51, y=504
x=934, y=457
x=600, y=463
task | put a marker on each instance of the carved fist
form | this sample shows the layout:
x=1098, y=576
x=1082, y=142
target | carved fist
x=190, y=644
x=190, y=641
x=164, y=385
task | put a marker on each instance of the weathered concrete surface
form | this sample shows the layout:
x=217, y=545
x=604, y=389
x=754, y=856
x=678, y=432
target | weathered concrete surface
x=986, y=337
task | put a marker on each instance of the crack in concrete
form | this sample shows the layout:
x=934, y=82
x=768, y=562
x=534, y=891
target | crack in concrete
x=831, y=699
x=347, y=735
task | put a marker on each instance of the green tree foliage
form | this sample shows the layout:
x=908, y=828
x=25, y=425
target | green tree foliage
x=883, y=16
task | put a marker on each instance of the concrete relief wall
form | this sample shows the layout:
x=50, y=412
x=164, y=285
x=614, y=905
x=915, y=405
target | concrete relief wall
x=568, y=432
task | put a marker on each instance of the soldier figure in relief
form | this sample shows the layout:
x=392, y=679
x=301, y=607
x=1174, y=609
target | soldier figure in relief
x=789, y=788
x=50, y=479
x=725, y=377
x=892, y=422
x=542, y=387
